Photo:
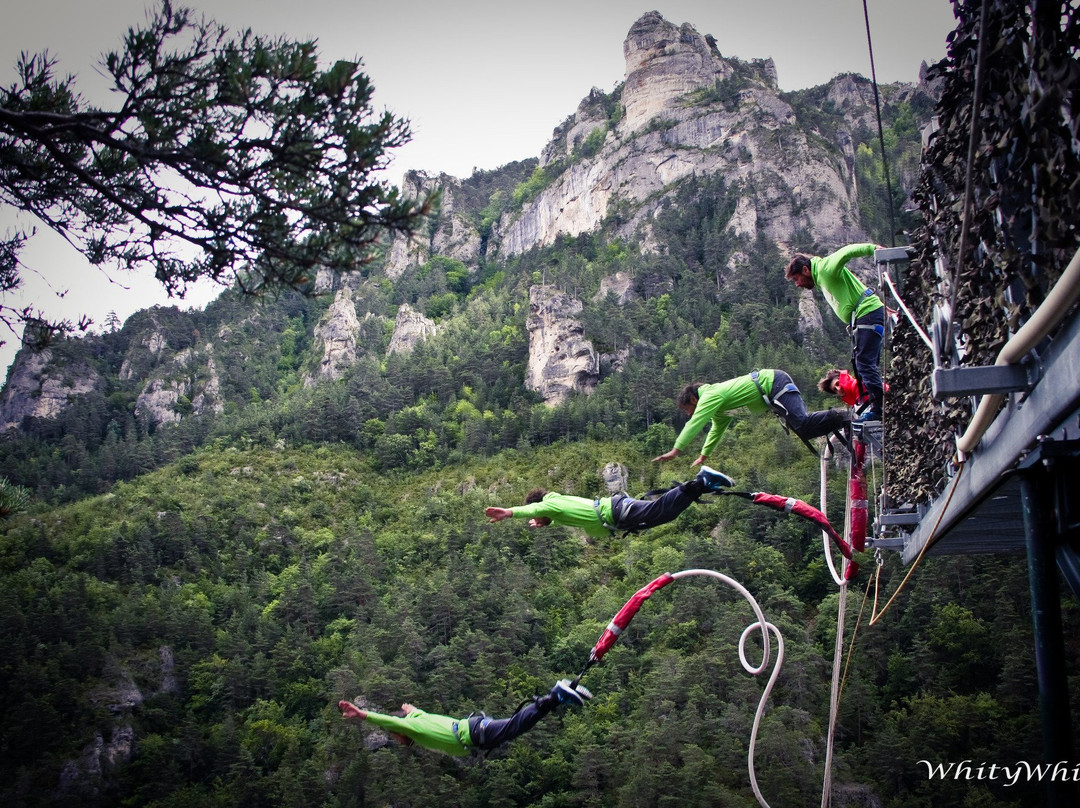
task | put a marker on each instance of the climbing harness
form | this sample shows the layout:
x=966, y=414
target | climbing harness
x=599, y=516
x=622, y=619
x=778, y=409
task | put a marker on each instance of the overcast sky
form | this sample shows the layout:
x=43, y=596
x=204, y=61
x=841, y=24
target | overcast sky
x=483, y=82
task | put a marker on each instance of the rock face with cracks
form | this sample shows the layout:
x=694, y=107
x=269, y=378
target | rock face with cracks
x=683, y=111
x=561, y=360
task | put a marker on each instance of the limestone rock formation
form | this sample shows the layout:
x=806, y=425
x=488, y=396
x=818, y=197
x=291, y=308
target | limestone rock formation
x=809, y=313
x=688, y=111
x=410, y=328
x=621, y=285
x=337, y=334
x=616, y=477
x=42, y=385
x=684, y=110
x=561, y=360
x=454, y=235
x=188, y=384
x=663, y=64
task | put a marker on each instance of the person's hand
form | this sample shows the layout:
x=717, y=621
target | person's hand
x=350, y=711
x=700, y=459
x=498, y=514
x=407, y=708
x=666, y=456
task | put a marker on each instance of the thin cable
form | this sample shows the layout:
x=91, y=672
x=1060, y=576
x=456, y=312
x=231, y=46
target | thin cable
x=881, y=131
x=976, y=102
x=851, y=645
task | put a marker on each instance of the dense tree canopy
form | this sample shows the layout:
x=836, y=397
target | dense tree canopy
x=232, y=157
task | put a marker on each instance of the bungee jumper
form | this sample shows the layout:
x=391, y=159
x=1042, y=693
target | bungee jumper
x=766, y=390
x=604, y=516
x=857, y=306
x=472, y=734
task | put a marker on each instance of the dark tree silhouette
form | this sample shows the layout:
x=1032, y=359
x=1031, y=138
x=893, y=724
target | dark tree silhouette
x=231, y=157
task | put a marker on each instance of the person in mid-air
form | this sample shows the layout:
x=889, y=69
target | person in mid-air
x=759, y=391
x=463, y=736
x=602, y=517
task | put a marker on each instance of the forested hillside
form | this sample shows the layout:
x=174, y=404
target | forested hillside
x=202, y=621
x=186, y=600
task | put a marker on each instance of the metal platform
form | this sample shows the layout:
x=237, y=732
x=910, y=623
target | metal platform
x=984, y=514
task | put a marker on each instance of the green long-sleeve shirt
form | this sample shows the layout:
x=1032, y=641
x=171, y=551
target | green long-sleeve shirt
x=715, y=401
x=844, y=292
x=564, y=509
x=429, y=730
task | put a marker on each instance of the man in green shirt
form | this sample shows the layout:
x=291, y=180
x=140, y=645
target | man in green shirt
x=602, y=517
x=759, y=391
x=462, y=736
x=857, y=306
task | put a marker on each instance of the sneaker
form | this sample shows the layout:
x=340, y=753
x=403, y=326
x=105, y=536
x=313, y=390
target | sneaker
x=568, y=693
x=869, y=415
x=713, y=480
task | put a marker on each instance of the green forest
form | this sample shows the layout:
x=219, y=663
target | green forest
x=184, y=605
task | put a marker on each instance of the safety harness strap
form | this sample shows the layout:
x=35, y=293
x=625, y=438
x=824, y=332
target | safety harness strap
x=779, y=409
x=596, y=507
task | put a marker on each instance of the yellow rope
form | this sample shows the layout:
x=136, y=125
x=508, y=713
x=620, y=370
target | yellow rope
x=926, y=545
x=851, y=646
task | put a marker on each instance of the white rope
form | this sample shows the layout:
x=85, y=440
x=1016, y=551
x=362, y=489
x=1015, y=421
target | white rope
x=834, y=697
x=911, y=317
x=764, y=627
x=838, y=579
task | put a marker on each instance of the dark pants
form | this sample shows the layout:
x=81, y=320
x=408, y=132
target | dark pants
x=487, y=733
x=805, y=424
x=869, y=334
x=639, y=514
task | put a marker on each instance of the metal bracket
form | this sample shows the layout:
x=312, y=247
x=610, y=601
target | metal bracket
x=908, y=519
x=976, y=381
x=893, y=255
x=887, y=544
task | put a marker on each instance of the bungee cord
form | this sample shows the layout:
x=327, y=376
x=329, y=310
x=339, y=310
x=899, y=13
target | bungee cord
x=623, y=617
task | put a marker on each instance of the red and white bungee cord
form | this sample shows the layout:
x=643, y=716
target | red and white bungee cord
x=622, y=619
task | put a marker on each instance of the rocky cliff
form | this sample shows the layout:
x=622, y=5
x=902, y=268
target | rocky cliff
x=336, y=338
x=684, y=111
x=561, y=360
x=410, y=327
x=42, y=382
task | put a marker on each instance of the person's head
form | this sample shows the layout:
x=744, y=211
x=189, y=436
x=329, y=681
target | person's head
x=830, y=382
x=798, y=271
x=536, y=495
x=688, y=398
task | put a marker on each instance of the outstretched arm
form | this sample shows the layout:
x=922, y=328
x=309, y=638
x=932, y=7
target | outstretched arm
x=498, y=514
x=350, y=712
x=666, y=456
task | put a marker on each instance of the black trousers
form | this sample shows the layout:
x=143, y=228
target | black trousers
x=805, y=424
x=639, y=514
x=487, y=733
x=869, y=334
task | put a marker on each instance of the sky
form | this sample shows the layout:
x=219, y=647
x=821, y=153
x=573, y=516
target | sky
x=482, y=82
